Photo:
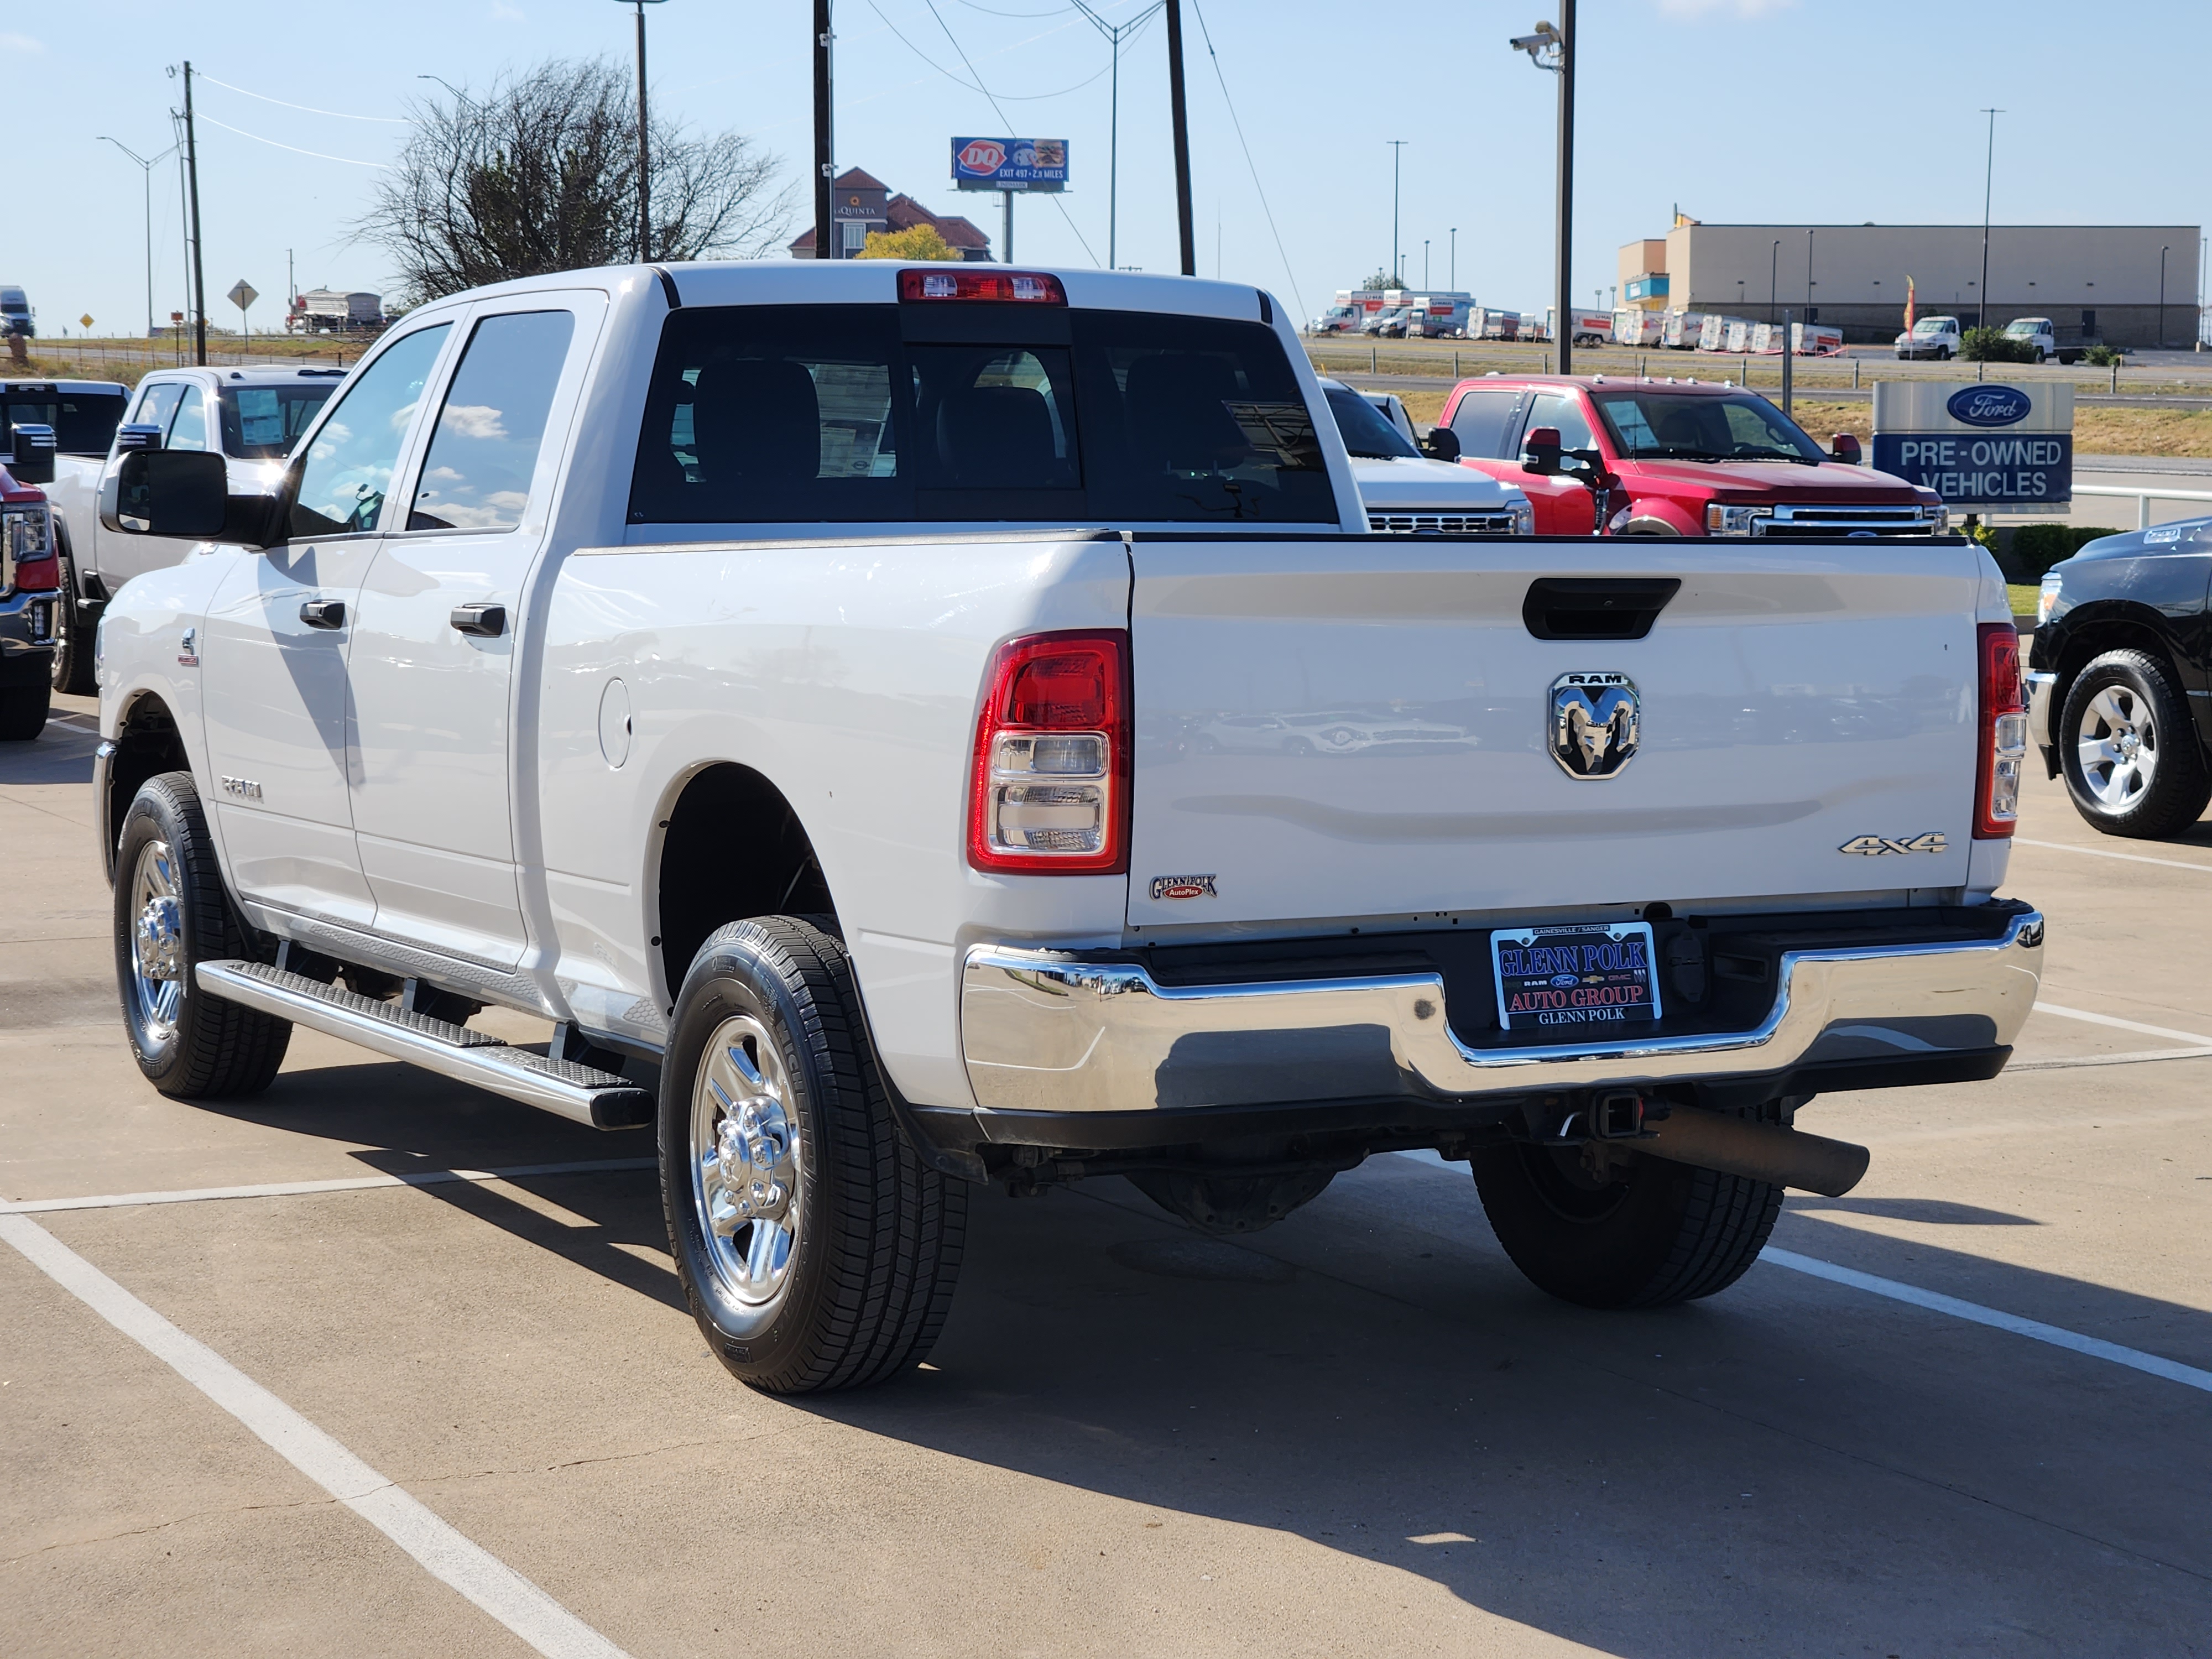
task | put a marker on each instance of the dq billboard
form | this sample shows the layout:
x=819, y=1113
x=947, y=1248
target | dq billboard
x=1033, y=164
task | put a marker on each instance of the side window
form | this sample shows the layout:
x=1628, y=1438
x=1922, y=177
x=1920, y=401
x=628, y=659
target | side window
x=476, y=475
x=1480, y=419
x=1554, y=409
x=156, y=404
x=348, y=466
x=188, y=429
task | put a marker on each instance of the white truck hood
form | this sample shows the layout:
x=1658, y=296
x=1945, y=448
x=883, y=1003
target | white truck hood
x=1410, y=485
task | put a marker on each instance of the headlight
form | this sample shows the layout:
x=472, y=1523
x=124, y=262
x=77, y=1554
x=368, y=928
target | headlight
x=1939, y=518
x=1523, y=517
x=25, y=531
x=1721, y=521
x=2046, y=597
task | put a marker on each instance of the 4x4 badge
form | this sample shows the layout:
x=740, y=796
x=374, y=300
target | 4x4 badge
x=1874, y=846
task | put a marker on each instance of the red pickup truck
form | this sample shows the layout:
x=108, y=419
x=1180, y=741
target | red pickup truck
x=1693, y=458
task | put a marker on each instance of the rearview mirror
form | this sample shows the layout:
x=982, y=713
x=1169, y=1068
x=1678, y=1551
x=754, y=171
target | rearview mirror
x=1442, y=444
x=32, y=454
x=139, y=434
x=1540, y=452
x=183, y=493
x=1845, y=447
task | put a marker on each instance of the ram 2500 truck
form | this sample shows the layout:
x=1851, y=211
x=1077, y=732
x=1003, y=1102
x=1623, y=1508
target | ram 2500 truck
x=790, y=682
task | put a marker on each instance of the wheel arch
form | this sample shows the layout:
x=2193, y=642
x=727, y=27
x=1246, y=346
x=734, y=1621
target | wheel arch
x=2113, y=626
x=147, y=742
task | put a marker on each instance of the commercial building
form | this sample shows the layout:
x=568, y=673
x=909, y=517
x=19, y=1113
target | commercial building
x=860, y=203
x=2129, y=285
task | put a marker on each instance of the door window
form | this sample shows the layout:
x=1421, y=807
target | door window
x=476, y=475
x=350, y=463
x=1480, y=419
x=1555, y=409
x=188, y=427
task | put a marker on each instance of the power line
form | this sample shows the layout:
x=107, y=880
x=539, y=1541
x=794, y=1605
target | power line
x=1011, y=97
x=294, y=149
x=393, y=121
x=1298, y=297
x=1000, y=113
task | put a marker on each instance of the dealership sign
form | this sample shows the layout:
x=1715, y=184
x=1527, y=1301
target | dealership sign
x=1010, y=163
x=1977, y=446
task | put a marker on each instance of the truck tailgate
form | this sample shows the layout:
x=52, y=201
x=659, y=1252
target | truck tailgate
x=1347, y=728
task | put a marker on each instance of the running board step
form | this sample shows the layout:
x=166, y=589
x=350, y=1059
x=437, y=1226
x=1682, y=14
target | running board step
x=582, y=1094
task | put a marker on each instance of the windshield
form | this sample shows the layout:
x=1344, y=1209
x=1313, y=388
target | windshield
x=1935, y=325
x=1687, y=427
x=1368, y=432
x=262, y=422
x=84, y=421
x=2025, y=325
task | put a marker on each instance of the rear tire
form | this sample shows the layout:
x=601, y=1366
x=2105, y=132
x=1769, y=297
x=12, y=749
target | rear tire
x=24, y=710
x=72, y=664
x=2133, y=761
x=816, y=1249
x=171, y=913
x=1663, y=1233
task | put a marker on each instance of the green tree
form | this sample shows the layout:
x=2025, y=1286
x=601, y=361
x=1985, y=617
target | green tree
x=914, y=242
x=1381, y=280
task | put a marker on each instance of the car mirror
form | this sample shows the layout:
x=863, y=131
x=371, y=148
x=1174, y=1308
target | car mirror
x=186, y=494
x=1846, y=448
x=1540, y=452
x=1442, y=444
x=137, y=436
x=32, y=454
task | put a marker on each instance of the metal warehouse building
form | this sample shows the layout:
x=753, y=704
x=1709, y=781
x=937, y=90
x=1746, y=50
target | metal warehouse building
x=2131, y=285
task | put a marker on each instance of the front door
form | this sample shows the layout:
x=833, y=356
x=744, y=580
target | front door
x=272, y=655
x=177, y=407
x=433, y=654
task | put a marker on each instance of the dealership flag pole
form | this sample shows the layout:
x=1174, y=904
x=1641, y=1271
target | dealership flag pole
x=1988, y=176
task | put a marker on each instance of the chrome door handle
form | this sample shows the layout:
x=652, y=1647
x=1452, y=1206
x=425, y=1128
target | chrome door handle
x=483, y=621
x=323, y=613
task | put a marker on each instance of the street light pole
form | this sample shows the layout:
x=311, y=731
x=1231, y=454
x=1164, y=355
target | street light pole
x=1397, y=154
x=1114, y=34
x=1455, y=260
x=1773, y=265
x=1988, y=176
x=146, y=169
x=824, y=183
x=1553, y=50
x=2162, y=252
x=644, y=154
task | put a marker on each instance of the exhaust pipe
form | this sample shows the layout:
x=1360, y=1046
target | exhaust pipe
x=1757, y=1152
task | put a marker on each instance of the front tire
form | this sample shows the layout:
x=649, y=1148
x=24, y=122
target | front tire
x=2130, y=748
x=72, y=664
x=24, y=710
x=816, y=1249
x=171, y=913
x=1663, y=1233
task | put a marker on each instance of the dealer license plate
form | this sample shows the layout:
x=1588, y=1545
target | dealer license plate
x=1575, y=976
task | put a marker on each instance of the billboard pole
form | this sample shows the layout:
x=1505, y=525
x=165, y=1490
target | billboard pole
x=822, y=180
x=1008, y=196
x=1181, y=137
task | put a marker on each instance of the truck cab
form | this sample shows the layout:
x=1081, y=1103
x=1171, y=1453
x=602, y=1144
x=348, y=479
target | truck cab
x=1931, y=337
x=1692, y=457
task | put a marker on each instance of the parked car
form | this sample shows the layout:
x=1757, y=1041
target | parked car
x=1931, y=337
x=1407, y=492
x=253, y=416
x=2120, y=678
x=1693, y=458
x=739, y=701
x=30, y=578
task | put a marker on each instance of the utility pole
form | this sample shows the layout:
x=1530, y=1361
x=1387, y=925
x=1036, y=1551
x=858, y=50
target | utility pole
x=146, y=169
x=824, y=178
x=199, y=281
x=1566, y=180
x=644, y=152
x=1397, y=153
x=1181, y=137
x=1989, y=177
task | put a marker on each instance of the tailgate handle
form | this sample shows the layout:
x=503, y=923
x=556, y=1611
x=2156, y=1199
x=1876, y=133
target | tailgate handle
x=1595, y=607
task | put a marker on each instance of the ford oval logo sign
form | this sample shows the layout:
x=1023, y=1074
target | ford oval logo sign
x=1989, y=405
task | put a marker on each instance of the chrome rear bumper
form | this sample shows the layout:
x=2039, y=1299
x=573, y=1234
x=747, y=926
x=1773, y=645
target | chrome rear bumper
x=2042, y=688
x=1046, y=1031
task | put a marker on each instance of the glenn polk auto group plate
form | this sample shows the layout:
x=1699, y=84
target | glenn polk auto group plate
x=1575, y=973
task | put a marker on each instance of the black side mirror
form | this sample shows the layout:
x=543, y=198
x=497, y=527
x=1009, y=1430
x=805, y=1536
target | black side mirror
x=33, y=453
x=167, y=492
x=1442, y=444
x=138, y=435
x=1542, y=452
x=1845, y=448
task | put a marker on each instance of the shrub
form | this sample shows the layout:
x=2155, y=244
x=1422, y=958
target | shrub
x=914, y=242
x=1994, y=345
x=2102, y=356
x=2037, y=547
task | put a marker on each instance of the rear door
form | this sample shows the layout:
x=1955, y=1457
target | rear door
x=1562, y=504
x=1791, y=700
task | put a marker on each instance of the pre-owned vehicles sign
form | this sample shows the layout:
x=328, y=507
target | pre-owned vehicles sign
x=1977, y=444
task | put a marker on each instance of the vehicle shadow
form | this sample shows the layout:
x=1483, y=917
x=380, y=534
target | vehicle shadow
x=1940, y=1211
x=60, y=755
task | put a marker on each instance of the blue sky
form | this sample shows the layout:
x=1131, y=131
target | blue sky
x=1735, y=109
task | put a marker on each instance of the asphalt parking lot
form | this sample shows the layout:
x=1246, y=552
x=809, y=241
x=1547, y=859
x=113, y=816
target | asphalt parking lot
x=1963, y=1411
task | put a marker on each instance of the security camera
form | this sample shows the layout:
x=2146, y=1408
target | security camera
x=1546, y=43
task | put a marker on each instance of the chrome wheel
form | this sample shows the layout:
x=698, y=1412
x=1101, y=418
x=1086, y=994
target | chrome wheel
x=746, y=1163
x=2117, y=743
x=157, y=940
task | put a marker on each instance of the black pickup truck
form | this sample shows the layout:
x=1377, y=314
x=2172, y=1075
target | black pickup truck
x=2120, y=678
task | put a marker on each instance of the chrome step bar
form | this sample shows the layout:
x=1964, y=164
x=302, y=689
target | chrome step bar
x=582, y=1094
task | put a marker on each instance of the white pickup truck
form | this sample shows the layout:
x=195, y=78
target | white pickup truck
x=792, y=683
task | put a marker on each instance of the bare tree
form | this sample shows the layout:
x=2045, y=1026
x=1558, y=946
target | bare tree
x=540, y=174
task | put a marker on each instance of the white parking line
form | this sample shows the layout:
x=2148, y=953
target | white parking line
x=341, y=1184
x=2198, y=1038
x=441, y=1551
x=1972, y=1312
x=2101, y=852
x=2134, y=1057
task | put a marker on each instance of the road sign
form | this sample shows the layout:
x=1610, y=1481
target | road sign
x=1976, y=444
x=86, y=320
x=243, y=294
x=1031, y=164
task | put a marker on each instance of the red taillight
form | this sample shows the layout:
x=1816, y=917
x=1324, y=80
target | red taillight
x=1020, y=286
x=1051, y=786
x=2002, y=733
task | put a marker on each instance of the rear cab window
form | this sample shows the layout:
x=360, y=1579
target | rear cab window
x=84, y=422
x=794, y=414
x=1480, y=419
x=262, y=422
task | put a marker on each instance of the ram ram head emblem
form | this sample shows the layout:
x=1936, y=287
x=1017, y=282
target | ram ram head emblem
x=1594, y=720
